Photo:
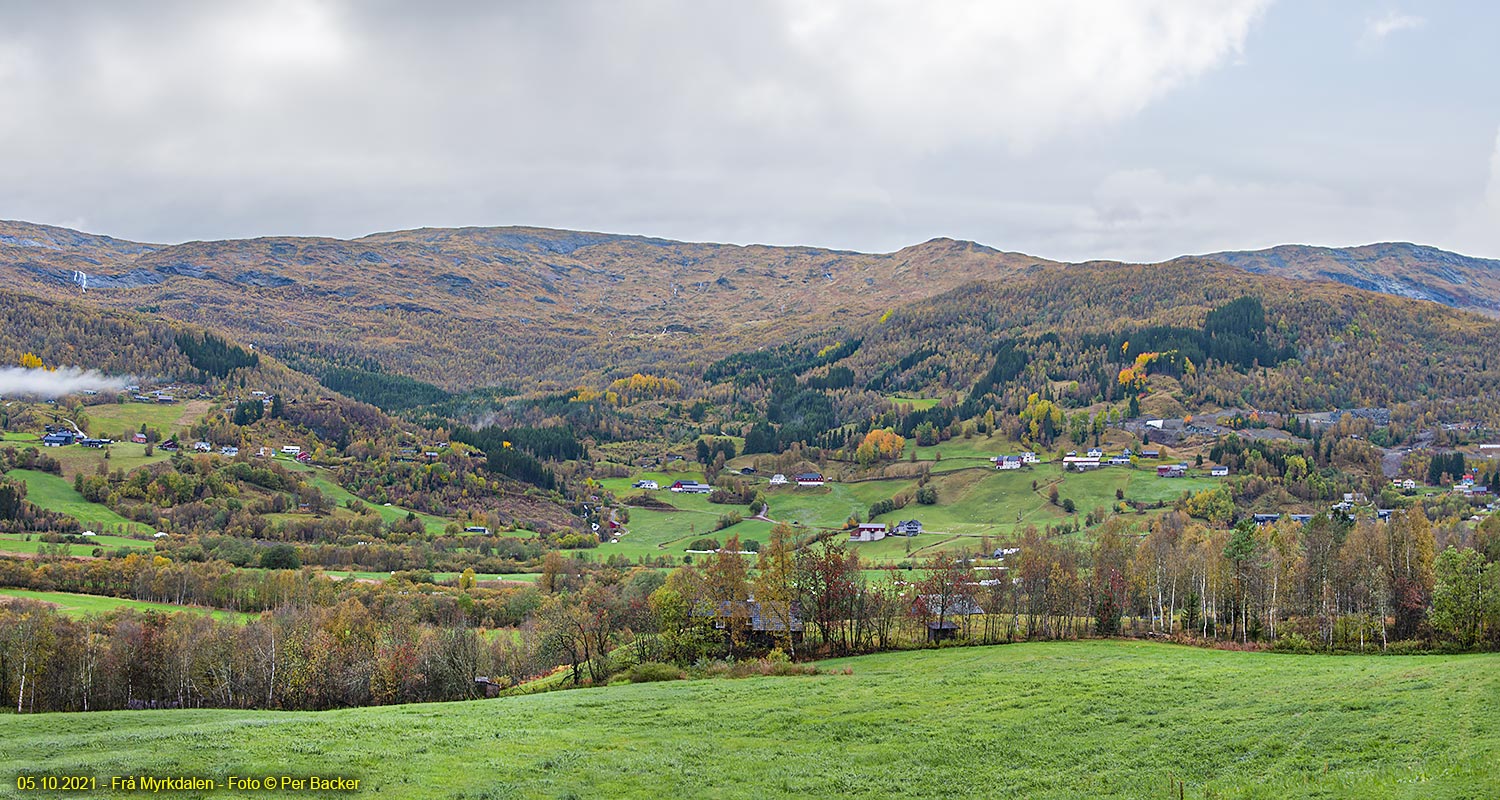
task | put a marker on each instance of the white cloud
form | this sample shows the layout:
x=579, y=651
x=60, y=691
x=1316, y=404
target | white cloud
x=1478, y=228
x=1017, y=72
x=1069, y=128
x=54, y=383
x=1378, y=28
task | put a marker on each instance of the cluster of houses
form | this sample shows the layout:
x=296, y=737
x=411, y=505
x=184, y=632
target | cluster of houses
x=1095, y=458
x=1468, y=487
x=58, y=437
x=1015, y=462
x=875, y=531
x=162, y=396
x=1382, y=514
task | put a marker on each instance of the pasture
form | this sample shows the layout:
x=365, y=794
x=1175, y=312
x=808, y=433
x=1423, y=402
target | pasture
x=1044, y=720
x=113, y=419
x=125, y=456
x=57, y=494
x=20, y=543
x=975, y=501
x=82, y=605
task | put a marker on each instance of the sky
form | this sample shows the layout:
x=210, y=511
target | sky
x=1070, y=129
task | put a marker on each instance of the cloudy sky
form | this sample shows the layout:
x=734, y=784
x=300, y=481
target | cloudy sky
x=1070, y=129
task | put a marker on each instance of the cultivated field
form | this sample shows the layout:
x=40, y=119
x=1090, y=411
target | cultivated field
x=1046, y=720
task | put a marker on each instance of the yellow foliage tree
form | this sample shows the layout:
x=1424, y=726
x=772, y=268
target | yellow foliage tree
x=880, y=444
x=31, y=361
x=640, y=387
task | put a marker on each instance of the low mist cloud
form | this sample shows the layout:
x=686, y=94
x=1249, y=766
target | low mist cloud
x=22, y=382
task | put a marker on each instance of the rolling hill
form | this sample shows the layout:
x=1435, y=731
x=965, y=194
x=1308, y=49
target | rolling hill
x=492, y=306
x=535, y=308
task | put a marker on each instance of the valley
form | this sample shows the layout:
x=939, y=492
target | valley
x=1133, y=489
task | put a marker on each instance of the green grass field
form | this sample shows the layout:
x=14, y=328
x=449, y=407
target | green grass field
x=17, y=543
x=974, y=501
x=112, y=419
x=56, y=494
x=122, y=455
x=917, y=403
x=79, y=605
x=1047, y=720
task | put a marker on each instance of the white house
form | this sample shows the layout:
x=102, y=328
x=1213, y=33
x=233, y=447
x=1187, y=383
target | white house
x=1030, y=458
x=778, y=480
x=907, y=527
x=1219, y=472
x=1095, y=452
x=646, y=485
x=291, y=449
x=1080, y=463
x=868, y=532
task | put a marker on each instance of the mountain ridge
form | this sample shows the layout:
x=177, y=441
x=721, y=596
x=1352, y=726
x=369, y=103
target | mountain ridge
x=543, y=309
x=1423, y=272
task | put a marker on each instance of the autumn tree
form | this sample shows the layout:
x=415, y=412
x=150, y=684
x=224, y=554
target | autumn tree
x=1466, y=597
x=775, y=585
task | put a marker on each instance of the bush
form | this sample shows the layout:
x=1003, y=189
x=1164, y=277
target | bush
x=726, y=520
x=705, y=543
x=1294, y=643
x=1408, y=647
x=652, y=671
x=927, y=496
x=282, y=556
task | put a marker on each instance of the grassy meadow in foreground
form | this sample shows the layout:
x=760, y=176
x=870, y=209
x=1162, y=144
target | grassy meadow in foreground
x=1062, y=719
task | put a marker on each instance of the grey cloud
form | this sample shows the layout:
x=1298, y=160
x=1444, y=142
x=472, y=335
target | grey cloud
x=847, y=124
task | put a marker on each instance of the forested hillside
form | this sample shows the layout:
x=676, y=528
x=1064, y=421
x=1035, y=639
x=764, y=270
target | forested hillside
x=229, y=396
x=1180, y=338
